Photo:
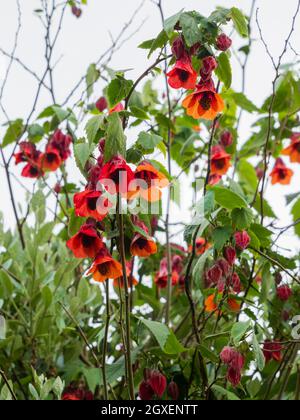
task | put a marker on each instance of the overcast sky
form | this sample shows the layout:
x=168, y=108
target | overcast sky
x=83, y=40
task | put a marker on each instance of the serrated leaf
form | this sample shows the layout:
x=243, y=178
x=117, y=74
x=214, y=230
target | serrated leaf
x=224, y=71
x=148, y=141
x=115, y=139
x=240, y=22
x=117, y=90
x=13, y=132
x=228, y=199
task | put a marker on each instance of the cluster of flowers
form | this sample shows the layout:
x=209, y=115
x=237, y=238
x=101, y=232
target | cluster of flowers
x=115, y=177
x=235, y=362
x=154, y=386
x=222, y=274
x=204, y=102
x=281, y=174
x=56, y=152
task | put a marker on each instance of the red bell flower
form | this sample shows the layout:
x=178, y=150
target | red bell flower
x=272, y=351
x=201, y=246
x=161, y=278
x=242, y=240
x=284, y=293
x=205, y=102
x=214, y=179
x=281, y=174
x=226, y=139
x=86, y=243
x=158, y=383
x=224, y=266
x=214, y=275
x=105, y=267
x=32, y=171
x=101, y=104
x=75, y=392
x=148, y=183
x=230, y=255
x=234, y=376
x=117, y=175
x=50, y=160
x=220, y=161
x=173, y=391
x=293, y=151
x=223, y=42
x=143, y=245
x=227, y=355
x=235, y=283
x=27, y=153
x=61, y=142
x=235, y=362
x=183, y=75
x=89, y=204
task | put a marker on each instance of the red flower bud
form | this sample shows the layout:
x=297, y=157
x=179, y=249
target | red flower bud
x=278, y=278
x=195, y=48
x=101, y=104
x=242, y=240
x=224, y=266
x=178, y=48
x=76, y=11
x=145, y=391
x=223, y=42
x=214, y=274
x=259, y=172
x=101, y=145
x=234, y=376
x=284, y=293
x=57, y=188
x=236, y=283
x=230, y=255
x=226, y=139
x=209, y=64
x=227, y=355
x=158, y=383
x=173, y=390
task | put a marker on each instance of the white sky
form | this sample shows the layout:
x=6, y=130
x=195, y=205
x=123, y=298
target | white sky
x=83, y=40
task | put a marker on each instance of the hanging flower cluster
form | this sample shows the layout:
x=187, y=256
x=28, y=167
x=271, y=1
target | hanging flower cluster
x=57, y=151
x=235, y=362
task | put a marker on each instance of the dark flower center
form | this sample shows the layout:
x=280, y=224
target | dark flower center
x=146, y=176
x=33, y=171
x=206, y=101
x=220, y=163
x=183, y=75
x=117, y=176
x=281, y=173
x=87, y=241
x=297, y=146
x=141, y=243
x=103, y=269
x=92, y=203
x=51, y=157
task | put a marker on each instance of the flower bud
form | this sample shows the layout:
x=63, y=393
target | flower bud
x=57, y=188
x=145, y=391
x=236, y=283
x=227, y=354
x=224, y=266
x=226, y=139
x=242, y=240
x=158, y=383
x=173, y=390
x=230, y=255
x=215, y=274
x=209, y=64
x=101, y=104
x=178, y=48
x=284, y=293
x=223, y=42
x=76, y=11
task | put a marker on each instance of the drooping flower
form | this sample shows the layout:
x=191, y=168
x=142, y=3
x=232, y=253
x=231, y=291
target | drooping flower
x=158, y=383
x=242, y=240
x=210, y=303
x=214, y=274
x=220, y=161
x=105, y=267
x=50, y=160
x=86, y=243
x=32, y=170
x=272, y=351
x=76, y=392
x=214, y=179
x=148, y=183
x=223, y=42
x=201, y=246
x=27, y=153
x=178, y=48
x=161, y=278
x=118, y=173
x=281, y=174
x=284, y=293
x=293, y=150
x=146, y=392
x=89, y=204
x=143, y=245
x=205, y=102
x=235, y=283
x=209, y=64
x=235, y=362
x=183, y=75
x=61, y=142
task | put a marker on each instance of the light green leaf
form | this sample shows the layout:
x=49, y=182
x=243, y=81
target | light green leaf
x=224, y=71
x=115, y=139
x=239, y=330
x=117, y=90
x=13, y=132
x=148, y=141
x=259, y=355
x=92, y=76
x=240, y=22
x=228, y=199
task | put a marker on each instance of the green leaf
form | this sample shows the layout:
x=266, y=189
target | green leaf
x=2, y=328
x=228, y=199
x=199, y=268
x=220, y=236
x=75, y=223
x=14, y=131
x=139, y=113
x=115, y=139
x=164, y=336
x=208, y=354
x=159, y=42
x=262, y=233
x=92, y=76
x=225, y=393
x=268, y=211
x=190, y=28
x=224, y=71
x=247, y=175
x=239, y=330
x=171, y=22
x=148, y=141
x=92, y=128
x=241, y=218
x=35, y=132
x=117, y=90
x=240, y=22
x=243, y=102
x=259, y=355
x=82, y=154
x=296, y=216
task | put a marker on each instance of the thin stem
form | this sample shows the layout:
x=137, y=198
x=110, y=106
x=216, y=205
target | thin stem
x=107, y=321
x=8, y=385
